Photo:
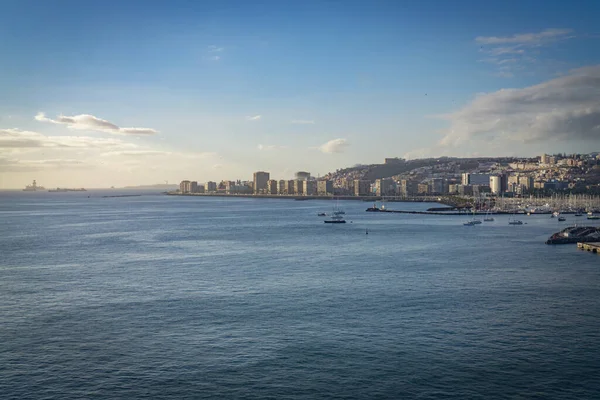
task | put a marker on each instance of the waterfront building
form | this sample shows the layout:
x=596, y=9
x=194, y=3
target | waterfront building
x=289, y=188
x=260, y=181
x=362, y=187
x=282, y=188
x=298, y=186
x=211, y=187
x=194, y=187
x=272, y=186
x=309, y=187
x=185, y=187
x=199, y=188
x=324, y=188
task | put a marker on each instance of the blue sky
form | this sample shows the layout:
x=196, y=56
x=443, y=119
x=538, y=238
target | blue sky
x=224, y=88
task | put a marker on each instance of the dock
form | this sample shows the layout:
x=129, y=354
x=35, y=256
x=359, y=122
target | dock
x=593, y=247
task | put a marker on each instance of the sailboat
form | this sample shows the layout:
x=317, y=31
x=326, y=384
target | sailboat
x=474, y=221
x=336, y=216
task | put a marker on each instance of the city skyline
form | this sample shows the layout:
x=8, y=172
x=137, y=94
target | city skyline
x=143, y=93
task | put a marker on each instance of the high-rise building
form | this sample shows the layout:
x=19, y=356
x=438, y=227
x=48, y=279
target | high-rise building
x=385, y=187
x=199, y=188
x=362, y=187
x=309, y=187
x=495, y=184
x=544, y=159
x=298, y=186
x=260, y=181
x=185, y=187
x=194, y=187
x=475, y=179
x=324, y=188
x=282, y=187
x=211, y=187
x=439, y=186
x=407, y=187
x=272, y=186
x=289, y=188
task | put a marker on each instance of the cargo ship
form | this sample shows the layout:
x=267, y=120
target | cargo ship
x=67, y=190
x=575, y=234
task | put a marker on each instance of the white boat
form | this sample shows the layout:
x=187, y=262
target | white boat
x=488, y=217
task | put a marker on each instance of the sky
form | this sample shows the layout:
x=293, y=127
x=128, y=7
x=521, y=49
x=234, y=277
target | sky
x=115, y=93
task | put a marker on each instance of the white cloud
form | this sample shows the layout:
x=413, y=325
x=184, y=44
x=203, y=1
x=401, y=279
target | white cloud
x=215, y=58
x=92, y=123
x=526, y=38
x=215, y=49
x=564, y=108
x=268, y=147
x=512, y=50
x=334, y=146
x=254, y=118
x=19, y=139
x=136, y=153
x=303, y=122
x=19, y=165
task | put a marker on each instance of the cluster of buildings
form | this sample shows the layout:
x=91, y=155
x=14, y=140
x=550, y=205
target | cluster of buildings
x=446, y=177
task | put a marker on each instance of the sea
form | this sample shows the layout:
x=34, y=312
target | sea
x=168, y=297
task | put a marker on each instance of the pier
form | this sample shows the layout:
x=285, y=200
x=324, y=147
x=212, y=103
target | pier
x=593, y=247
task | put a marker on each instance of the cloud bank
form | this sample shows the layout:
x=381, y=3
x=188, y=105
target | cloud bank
x=564, y=108
x=92, y=123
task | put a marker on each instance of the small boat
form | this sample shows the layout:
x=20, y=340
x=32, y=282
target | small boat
x=515, y=222
x=321, y=215
x=593, y=217
x=579, y=215
x=489, y=219
x=469, y=223
x=561, y=219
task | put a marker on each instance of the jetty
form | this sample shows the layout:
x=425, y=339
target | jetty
x=593, y=247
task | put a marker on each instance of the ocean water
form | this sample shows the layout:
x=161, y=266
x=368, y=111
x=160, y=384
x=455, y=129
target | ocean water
x=162, y=297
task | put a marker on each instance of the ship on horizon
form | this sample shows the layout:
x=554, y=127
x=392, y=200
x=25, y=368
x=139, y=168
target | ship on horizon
x=33, y=187
x=67, y=190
